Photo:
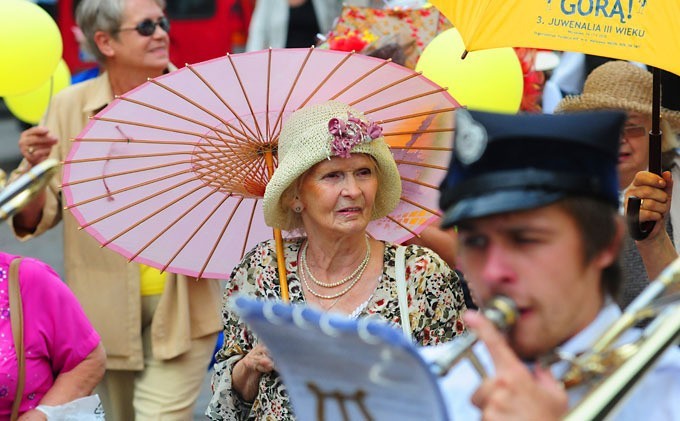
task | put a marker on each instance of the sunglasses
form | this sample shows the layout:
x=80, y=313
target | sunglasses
x=147, y=27
x=634, y=131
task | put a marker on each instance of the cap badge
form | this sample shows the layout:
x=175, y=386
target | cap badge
x=471, y=138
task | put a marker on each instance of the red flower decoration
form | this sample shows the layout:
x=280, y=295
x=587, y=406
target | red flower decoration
x=351, y=41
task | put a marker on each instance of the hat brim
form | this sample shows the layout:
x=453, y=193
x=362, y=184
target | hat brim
x=589, y=102
x=497, y=202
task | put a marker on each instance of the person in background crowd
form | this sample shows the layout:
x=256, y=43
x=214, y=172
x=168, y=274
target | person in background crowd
x=444, y=243
x=329, y=184
x=292, y=23
x=64, y=356
x=159, y=330
x=62, y=362
x=619, y=85
x=535, y=200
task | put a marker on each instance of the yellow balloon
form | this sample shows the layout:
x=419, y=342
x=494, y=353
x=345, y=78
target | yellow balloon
x=487, y=80
x=30, y=46
x=31, y=106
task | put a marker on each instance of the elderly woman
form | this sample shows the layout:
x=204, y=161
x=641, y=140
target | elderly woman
x=619, y=85
x=329, y=185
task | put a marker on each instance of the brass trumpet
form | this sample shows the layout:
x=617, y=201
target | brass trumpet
x=612, y=370
x=17, y=194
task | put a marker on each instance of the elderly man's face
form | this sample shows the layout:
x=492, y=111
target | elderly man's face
x=136, y=51
x=536, y=258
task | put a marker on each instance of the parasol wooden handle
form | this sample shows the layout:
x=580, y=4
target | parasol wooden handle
x=278, y=238
x=281, y=264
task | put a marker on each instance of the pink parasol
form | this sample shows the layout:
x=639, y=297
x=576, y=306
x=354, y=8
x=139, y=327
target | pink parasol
x=172, y=174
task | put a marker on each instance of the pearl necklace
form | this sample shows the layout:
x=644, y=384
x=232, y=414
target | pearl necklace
x=331, y=296
x=360, y=268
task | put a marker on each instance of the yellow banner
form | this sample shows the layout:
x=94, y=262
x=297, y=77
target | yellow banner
x=637, y=30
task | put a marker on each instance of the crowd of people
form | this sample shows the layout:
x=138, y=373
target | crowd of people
x=158, y=329
x=532, y=209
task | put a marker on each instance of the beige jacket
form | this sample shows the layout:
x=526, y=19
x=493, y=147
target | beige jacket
x=105, y=284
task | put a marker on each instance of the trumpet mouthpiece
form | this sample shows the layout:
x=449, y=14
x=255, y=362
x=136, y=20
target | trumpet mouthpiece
x=502, y=312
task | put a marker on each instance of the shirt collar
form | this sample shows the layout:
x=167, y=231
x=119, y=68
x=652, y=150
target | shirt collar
x=584, y=340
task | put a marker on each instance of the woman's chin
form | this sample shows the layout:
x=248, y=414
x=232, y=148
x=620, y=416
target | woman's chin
x=353, y=225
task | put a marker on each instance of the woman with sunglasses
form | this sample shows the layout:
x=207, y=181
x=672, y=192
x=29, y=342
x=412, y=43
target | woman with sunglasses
x=619, y=85
x=159, y=330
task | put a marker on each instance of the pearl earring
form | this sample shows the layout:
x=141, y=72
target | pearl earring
x=298, y=209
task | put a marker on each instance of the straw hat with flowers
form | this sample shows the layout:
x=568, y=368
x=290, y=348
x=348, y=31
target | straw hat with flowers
x=316, y=133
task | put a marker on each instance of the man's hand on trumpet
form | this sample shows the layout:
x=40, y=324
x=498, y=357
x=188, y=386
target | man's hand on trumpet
x=514, y=393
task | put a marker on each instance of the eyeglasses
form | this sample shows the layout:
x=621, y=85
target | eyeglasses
x=147, y=27
x=634, y=131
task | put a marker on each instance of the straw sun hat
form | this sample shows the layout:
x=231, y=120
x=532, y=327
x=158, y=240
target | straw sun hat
x=306, y=140
x=618, y=85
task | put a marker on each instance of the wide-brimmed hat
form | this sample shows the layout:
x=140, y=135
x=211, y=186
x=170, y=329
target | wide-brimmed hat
x=319, y=132
x=618, y=85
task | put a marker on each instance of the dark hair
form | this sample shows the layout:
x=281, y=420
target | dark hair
x=597, y=222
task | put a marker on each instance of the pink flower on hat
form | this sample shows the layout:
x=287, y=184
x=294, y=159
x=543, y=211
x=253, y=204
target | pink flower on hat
x=346, y=135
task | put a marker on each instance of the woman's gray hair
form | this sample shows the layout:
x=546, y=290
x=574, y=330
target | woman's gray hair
x=292, y=218
x=101, y=15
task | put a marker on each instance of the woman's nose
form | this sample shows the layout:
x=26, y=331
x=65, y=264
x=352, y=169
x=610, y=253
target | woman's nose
x=159, y=32
x=351, y=187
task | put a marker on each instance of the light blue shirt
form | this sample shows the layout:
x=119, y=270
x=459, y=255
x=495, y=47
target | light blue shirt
x=656, y=397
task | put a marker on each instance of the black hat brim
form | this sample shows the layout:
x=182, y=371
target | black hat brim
x=498, y=202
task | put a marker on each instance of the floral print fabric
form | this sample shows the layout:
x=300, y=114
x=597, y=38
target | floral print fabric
x=369, y=30
x=435, y=301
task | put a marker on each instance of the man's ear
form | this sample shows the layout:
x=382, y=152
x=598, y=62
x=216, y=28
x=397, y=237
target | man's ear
x=609, y=255
x=103, y=41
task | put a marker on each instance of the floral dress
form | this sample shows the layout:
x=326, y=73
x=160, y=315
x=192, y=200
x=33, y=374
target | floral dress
x=435, y=303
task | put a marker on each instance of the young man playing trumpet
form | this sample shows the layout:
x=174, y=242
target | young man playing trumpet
x=535, y=200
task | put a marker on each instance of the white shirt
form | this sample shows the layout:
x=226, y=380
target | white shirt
x=656, y=397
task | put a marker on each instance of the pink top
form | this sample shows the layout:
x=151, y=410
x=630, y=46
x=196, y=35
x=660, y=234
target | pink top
x=57, y=334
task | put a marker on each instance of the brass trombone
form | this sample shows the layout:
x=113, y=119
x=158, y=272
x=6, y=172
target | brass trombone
x=608, y=369
x=17, y=194
x=612, y=370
